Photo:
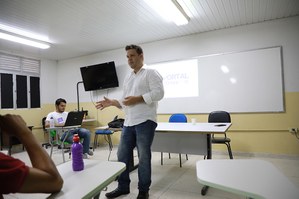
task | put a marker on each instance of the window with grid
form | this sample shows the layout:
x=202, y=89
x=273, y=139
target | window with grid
x=19, y=82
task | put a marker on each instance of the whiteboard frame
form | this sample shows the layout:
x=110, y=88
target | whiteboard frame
x=181, y=107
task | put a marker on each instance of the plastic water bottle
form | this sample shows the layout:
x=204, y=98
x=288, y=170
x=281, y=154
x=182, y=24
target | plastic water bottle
x=52, y=124
x=77, y=154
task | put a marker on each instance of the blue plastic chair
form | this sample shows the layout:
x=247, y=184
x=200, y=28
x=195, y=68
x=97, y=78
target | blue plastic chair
x=106, y=133
x=178, y=118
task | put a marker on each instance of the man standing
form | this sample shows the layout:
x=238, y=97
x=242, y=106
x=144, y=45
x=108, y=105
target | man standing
x=143, y=88
x=59, y=117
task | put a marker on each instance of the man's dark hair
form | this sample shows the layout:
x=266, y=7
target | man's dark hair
x=59, y=100
x=135, y=47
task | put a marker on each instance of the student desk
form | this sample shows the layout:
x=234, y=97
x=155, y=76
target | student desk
x=249, y=177
x=89, y=120
x=184, y=138
x=187, y=137
x=85, y=184
x=59, y=130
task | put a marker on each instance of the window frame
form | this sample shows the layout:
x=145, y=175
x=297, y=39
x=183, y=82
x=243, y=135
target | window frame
x=21, y=66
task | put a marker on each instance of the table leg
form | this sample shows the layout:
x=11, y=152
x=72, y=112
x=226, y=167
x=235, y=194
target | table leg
x=209, y=156
x=97, y=196
x=204, y=190
x=110, y=145
x=209, y=147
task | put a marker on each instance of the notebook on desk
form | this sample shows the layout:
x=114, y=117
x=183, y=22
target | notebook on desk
x=74, y=118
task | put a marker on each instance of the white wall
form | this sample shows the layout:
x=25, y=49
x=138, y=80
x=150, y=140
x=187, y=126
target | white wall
x=48, y=83
x=282, y=32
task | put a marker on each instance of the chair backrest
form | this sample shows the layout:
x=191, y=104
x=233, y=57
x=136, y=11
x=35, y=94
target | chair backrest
x=178, y=117
x=219, y=116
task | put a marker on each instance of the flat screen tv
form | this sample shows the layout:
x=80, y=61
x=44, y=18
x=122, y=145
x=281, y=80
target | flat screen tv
x=99, y=76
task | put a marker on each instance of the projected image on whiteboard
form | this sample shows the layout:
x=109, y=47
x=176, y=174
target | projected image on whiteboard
x=180, y=78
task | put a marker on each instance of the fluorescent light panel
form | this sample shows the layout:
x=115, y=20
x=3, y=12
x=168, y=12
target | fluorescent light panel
x=170, y=10
x=23, y=37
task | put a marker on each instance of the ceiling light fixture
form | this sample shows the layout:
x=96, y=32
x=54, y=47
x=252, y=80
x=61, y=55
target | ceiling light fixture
x=19, y=36
x=170, y=10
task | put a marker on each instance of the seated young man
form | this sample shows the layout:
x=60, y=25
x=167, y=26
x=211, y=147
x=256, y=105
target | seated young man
x=15, y=175
x=59, y=117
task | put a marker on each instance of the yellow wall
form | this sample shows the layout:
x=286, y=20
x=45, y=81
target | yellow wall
x=32, y=117
x=251, y=132
x=262, y=132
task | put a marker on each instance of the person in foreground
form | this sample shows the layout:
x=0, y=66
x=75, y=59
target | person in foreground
x=15, y=175
x=59, y=117
x=143, y=88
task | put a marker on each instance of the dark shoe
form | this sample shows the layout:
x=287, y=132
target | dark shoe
x=142, y=195
x=117, y=192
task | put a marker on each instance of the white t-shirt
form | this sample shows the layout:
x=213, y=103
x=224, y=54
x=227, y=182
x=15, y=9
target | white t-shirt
x=59, y=118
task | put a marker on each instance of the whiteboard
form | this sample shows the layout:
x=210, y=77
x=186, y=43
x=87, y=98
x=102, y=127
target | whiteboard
x=241, y=82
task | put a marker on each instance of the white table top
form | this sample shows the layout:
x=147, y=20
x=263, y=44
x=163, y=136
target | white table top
x=87, y=183
x=71, y=127
x=62, y=127
x=89, y=120
x=83, y=184
x=189, y=127
x=252, y=178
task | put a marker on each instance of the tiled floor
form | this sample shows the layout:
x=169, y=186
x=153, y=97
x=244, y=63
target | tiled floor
x=170, y=181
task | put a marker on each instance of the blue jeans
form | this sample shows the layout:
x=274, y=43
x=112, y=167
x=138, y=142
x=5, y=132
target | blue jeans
x=140, y=136
x=83, y=134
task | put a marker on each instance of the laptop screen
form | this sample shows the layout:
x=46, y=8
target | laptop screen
x=74, y=118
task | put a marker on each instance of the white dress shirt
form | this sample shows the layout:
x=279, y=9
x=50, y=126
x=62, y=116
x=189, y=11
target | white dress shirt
x=149, y=84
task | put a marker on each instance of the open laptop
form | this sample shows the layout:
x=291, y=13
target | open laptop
x=74, y=118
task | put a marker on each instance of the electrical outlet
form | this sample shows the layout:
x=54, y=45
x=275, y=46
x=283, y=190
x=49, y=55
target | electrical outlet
x=293, y=130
